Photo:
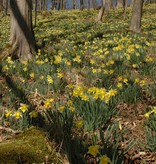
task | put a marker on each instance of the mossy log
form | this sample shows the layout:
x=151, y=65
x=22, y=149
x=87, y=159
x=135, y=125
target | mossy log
x=31, y=146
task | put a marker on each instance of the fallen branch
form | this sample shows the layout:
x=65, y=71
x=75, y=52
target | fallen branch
x=10, y=130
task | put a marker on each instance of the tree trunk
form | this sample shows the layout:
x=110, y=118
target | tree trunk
x=135, y=24
x=132, y=3
x=88, y=6
x=1, y=5
x=74, y=4
x=35, y=8
x=100, y=15
x=120, y=3
x=125, y=8
x=81, y=4
x=105, y=7
x=64, y=5
x=53, y=4
x=94, y=4
x=21, y=33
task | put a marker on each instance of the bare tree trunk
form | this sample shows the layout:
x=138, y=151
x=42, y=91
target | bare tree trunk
x=40, y=4
x=94, y=4
x=52, y=4
x=100, y=15
x=5, y=6
x=35, y=8
x=135, y=24
x=81, y=4
x=74, y=4
x=88, y=6
x=64, y=4
x=105, y=8
x=21, y=33
x=125, y=8
x=132, y=2
x=120, y=3
x=1, y=5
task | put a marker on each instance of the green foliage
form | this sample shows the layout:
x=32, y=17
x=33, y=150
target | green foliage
x=151, y=132
x=80, y=74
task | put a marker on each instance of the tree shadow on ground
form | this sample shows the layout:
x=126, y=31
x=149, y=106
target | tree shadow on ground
x=75, y=145
x=21, y=96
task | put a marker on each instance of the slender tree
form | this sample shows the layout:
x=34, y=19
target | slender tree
x=88, y=4
x=125, y=8
x=81, y=4
x=74, y=4
x=135, y=24
x=120, y=3
x=1, y=5
x=132, y=2
x=21, y=34
x=104, y=8
x=35, y=8
x=94, y=4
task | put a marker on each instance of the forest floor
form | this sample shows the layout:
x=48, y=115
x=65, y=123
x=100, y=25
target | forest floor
x=89, y=86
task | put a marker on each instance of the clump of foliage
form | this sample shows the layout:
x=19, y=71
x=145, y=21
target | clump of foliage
x=28, y=147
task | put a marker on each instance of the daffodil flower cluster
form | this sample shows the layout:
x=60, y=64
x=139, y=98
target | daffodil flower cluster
x=147, y=115
x=94, y=151
x=93, y=93
x=17, y=114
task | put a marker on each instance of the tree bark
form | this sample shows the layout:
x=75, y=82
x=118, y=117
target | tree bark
x=135, y=24
x=120, y=3
x=94, y=4
x=1, y=5
x=74, y=4
x=100, y=15
x=35, y=8
x=81, y=4
x=125, y=8
x=132, y=3
x=21, y=34
x=104, y=8
x=88, y=5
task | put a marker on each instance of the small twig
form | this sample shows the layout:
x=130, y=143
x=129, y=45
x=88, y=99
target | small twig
x=10, y=130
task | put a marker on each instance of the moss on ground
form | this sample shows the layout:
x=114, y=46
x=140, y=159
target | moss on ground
x=31, y=146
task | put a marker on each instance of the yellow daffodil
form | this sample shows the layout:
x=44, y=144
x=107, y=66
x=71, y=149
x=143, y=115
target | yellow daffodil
x=23, y=107
x=41, y=77
x=105, y=160
x=70, y=102
x=84, y=97
x=137, y=80
x=79, y=124
x=125, y=80
x=57, y=60
x=47, y=103
x=18, y=115
x=119, y=85
x=5, y=68
x=8, y=114
x=93, y=150
x=72, y=109
x=25, y=69
x=61, y=108
x=32, y=75
x=49, y=79
x=142, y=83
x=60, y=75
x=33, y=114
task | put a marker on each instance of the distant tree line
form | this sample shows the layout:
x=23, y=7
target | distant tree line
x=76, y=4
